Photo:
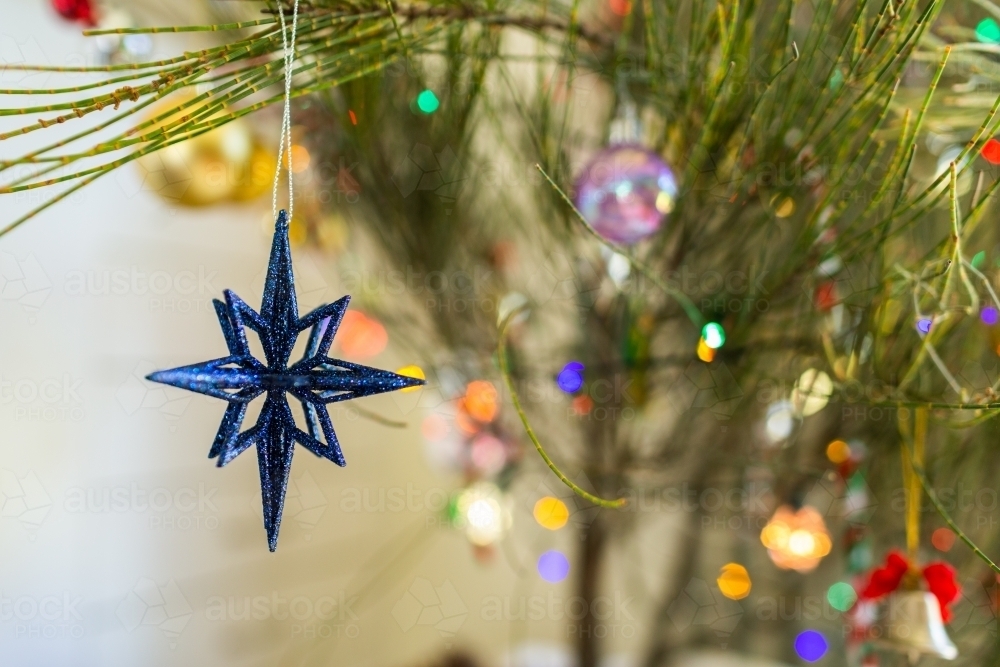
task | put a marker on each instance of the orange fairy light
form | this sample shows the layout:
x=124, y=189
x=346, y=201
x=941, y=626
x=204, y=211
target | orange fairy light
x=838, y=451
x=705, y=353
x=481, y=401
x=465, y=423
x=621, y=7
x=582, y=404
x=796, y=540
x=943, y=539
x=300, y=158
x=734, y=581
x=361, y=336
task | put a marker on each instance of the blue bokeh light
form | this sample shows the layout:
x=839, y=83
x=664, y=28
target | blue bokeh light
x=811, y=645
x=570, y=378
x=553, y=566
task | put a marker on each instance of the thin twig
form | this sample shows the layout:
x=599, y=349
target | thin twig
x=505, y=371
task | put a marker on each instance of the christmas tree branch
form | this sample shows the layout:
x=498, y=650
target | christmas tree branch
x=921, y=475
x=336, y=44
x=505, y=371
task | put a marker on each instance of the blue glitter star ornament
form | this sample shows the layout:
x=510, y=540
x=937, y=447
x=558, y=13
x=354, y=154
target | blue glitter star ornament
x=314, y=381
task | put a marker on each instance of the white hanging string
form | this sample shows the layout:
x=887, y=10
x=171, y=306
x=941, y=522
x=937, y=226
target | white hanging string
x=288, y=47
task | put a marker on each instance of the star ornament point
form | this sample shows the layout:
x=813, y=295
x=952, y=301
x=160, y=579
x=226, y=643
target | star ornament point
x=315, y=380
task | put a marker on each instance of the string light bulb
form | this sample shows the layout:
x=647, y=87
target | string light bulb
x=714, y=335
x=427, y=101
x=551, y=513
x=481, y=510
x=796, y=539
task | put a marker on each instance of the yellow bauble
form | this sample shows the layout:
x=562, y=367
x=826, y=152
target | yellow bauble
x=205, y=170
x=257, y=178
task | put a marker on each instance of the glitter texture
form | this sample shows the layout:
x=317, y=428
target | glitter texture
x=314, y=381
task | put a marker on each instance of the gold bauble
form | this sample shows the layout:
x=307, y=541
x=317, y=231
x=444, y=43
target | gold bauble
x=257, y=178
x=204, y=170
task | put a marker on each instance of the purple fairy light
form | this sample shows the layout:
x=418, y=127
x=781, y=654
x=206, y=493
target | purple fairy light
x=553, y=566
x=811, y=645
x=570, y=378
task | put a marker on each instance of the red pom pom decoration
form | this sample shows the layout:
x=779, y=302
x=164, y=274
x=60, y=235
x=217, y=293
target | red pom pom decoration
x=940, y=578
x=76, y=10
x=991, y=151
x=887, y=578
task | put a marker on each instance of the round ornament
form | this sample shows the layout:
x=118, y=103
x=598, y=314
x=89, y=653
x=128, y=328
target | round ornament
x=208, y=169
x=255, y=180
x=626, y=192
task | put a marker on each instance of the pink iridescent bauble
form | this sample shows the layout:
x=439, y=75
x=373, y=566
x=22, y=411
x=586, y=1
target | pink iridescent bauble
x=626, y=192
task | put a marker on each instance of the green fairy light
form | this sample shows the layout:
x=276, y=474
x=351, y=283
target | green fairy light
x=428, y=102
x=988, y=31
x=714, y=335
x=841, y=596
